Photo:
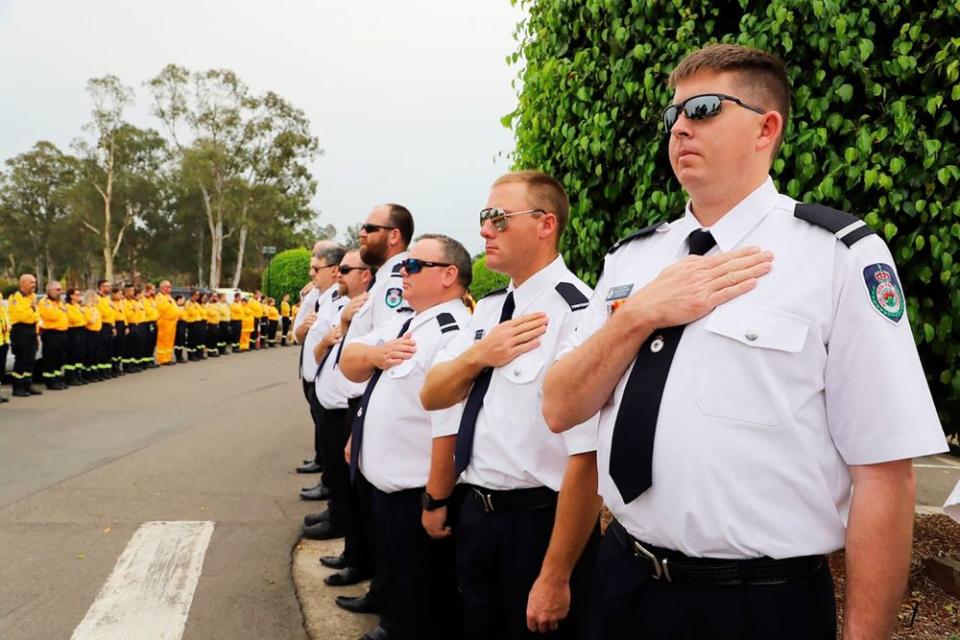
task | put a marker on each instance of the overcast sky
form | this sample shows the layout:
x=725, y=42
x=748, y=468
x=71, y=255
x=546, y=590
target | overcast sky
x=405, y=97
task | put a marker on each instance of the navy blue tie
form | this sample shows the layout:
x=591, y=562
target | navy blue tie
x=631, y=448
x=303, y=345
x=468, y=422
x=356, y=432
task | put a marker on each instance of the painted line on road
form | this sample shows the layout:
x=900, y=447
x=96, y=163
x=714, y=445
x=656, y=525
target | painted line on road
x=149, y=592
x=937, y=466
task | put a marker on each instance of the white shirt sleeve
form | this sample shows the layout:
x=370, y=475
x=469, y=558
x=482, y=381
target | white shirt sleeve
x=879, y=406
x=583, y=437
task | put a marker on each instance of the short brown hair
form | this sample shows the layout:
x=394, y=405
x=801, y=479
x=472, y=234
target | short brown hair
x=545, y=191
x=454, y=253
x=761, y=73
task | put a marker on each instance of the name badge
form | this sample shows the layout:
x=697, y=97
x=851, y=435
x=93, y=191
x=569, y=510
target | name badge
x=478, y=335
x=616, y=296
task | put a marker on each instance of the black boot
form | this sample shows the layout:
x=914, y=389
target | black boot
x=20, y=389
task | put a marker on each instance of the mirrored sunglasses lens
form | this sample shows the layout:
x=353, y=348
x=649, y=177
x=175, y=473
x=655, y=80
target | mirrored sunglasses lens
x=670, y=117
x=702, y=107
x=412, y=266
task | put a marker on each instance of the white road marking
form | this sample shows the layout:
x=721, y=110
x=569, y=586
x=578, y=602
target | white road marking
x=149, y=593
x=937, y=466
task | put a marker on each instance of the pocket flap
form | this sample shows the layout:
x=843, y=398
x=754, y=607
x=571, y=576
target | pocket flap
x=760, y=327
x=524, y=368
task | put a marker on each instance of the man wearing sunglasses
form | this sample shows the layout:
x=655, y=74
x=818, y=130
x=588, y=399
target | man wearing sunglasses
x=324, y=265
x=518, y=542
x=340, y=515
x=731, y=478
x=384, y=238
x=394, y=437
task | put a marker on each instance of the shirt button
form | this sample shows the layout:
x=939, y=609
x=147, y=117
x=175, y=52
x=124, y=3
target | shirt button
x=751, y=335
x=656, y=345
x=517, y=372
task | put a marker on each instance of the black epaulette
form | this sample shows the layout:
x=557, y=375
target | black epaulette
x=636, y=235
x=335, y=295
x=447, y=322
x=404, y=310
x=848, y=228
x=572, y=296
x=495, y=292
x=396, y=270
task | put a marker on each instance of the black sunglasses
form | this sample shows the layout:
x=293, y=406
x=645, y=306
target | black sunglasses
x=345, y=269
x=701, y=107
x=412, y=265
x=373, y=228
x=314, y=269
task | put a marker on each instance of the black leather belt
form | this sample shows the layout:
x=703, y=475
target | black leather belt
x=673, y=566
x=513, y=500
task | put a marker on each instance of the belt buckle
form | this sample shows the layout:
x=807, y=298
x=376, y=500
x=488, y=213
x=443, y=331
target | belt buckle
x=660, y=568
x=485, y=499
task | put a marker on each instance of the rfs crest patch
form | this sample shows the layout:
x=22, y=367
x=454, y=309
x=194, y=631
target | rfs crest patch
x=884, y=291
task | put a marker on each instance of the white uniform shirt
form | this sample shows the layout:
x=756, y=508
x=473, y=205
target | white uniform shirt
x=383, y=305
x=306, y=306
x=326, y=384
x=397, y=431
x=512, y=447
x=326, y=316
x=952, y=506
x=771, y=396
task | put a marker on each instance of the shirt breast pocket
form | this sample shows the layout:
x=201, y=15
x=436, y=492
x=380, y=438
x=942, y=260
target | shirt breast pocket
x=748, y=353
x=515, y=390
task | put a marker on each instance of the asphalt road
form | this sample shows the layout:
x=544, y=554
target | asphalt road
x=81, y=470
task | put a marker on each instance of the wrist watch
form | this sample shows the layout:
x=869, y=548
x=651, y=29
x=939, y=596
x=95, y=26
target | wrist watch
x=429, y=503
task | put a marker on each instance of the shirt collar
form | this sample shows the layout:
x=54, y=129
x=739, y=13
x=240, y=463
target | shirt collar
x=387, y=267
x=451, y=306
x=729, y=230
x=537, y=284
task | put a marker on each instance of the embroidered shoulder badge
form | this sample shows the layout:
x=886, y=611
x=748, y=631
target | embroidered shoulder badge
x=393, y=297
x=884, y=291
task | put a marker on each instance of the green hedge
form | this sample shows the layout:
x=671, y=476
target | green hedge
x=287, y=273
x=485, y=280
x=875, y=85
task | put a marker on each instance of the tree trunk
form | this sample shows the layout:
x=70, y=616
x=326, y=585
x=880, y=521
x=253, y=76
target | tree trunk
x=108, y=254
x=200, y=260
x=48, y=263
x=215, y=223
x=241, y=246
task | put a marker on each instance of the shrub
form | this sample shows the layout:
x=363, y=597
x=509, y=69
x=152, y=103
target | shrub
x=875, y=86
x=485, y=280
x=288, y=272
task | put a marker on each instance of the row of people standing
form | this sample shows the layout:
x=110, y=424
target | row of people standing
x=718, y=391
x=94, y=335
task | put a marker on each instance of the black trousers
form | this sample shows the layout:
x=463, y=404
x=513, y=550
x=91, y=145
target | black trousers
x=284, y=329
x=197, y=336
x=366, y=530
x=180, y=337
x=131, y=346
x=272, y=326
x=76, y=349
x=316, y=415
x=91, y=352
x=149, y=331
x=235, y=328
x=418, y=571
x=213, y=332
x=3, y=360
x=359, y=544
x=255, y=336
x=499, y=556
x=54, y=352
x=105, y=347
x=336, y=471
x=119, y=343
x=628, y=602
x=223, y=336
x=23, y=342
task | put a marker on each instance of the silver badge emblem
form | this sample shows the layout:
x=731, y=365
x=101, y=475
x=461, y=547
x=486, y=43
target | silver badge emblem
x=656, y=345
x=751, y=335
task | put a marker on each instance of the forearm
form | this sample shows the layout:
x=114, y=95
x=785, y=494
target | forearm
x=579, y=384
x=879, y=539
x=448, y=383
x=300, y=332
x=357, y=362
x=578, y=508
x=442, y=477
x=320, y=352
